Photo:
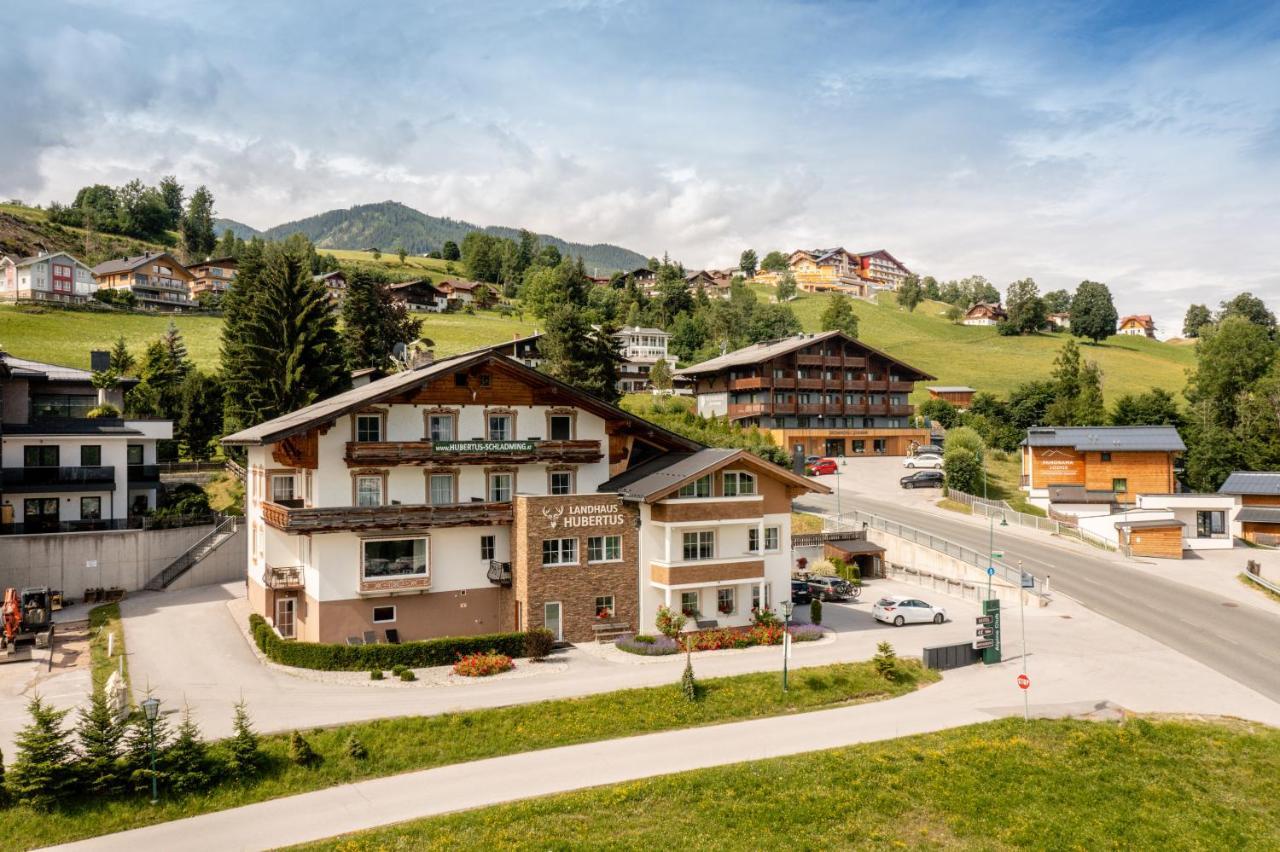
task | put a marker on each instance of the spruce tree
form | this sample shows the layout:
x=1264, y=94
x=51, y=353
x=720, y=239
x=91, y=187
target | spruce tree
x=373, y=322
x=199, y=413
x=187, y=762
x=244, y=757
x=196, y=227
x=43, y=773
x=688, y=683
x=576, y=354
x=122, y=361
x=100, y=735
x=281, y=351
x=237, y=306
x=137, y=751
x=300, y=751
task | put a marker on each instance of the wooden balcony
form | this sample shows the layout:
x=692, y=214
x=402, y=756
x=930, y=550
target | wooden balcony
x=356, y=518
x=900, y=410
x=902, y=387
x=809, y=360
x=708, y=509
x=784, y=381
x=811, y=408
x=836, y=408
x=283, y=577
x=784, y=408
x=383, y=453
x=749, y=409
x=877, y=385
x=749, y=383
x=810, y=384
x=708, y=571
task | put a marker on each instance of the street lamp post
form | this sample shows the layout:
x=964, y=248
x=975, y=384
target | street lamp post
x=786, y=639
x=1022, y=603
x=991, y=523
x=151, y=709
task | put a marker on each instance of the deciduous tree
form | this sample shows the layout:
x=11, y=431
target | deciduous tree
x=1093, y=313
x=910, y=293
x=1197, y=317
x=747, y=263
x=838, y=314
x=196, y=228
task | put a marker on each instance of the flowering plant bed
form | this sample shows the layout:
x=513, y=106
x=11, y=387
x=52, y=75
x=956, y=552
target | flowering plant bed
x=648, y=646
x=483, y=664
x=806, y=632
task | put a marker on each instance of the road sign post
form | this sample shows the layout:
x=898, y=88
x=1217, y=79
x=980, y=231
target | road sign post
x=991, y=651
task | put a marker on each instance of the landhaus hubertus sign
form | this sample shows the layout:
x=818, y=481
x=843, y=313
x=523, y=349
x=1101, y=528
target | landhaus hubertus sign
x=606, y=515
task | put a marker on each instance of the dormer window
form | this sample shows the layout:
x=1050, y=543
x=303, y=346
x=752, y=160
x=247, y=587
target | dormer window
x=700, y=487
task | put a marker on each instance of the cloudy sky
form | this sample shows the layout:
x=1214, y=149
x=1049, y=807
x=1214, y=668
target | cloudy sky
x=1137, y=145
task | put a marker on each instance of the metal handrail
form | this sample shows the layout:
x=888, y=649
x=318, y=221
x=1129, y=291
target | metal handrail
x=187, y=558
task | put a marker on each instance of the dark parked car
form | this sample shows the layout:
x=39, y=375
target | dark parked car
x=922, y=479
x=800, y=593
x=830, y=588
x=928, y=450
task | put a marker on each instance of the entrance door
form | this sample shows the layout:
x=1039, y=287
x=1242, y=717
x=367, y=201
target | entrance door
x=40, y=514
x=284, y=616
x=551, y=619
x=835, y=447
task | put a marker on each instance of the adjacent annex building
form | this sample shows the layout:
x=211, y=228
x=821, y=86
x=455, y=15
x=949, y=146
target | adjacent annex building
x=476, y=495
x=819, y=394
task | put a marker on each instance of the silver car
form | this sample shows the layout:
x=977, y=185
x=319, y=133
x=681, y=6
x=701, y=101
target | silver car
x=899, y=610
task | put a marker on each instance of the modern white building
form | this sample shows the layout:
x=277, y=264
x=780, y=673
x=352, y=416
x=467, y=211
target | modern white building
x=56, y=277
x=1207, y=521
x=641, y=349
x=61, y=469
x=477, y=495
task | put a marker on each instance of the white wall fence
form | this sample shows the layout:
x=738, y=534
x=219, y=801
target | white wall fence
x=1008, y=515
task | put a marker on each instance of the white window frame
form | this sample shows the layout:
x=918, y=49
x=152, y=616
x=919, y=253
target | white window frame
x=373, y=616
x=507, y=430
x=567, y=554
x=733, y=600
x=777, y=539
x=551, y=482
x=490, y=493
x=601, y=545
x=694, y=489
x=431, y=483
x=374, y=478
x=697, y=603
x=755, y=595
x=699, y=540
x=426, y=558
x=376, y=418
x=293, y=486
x=551, y=420
x=739, y=478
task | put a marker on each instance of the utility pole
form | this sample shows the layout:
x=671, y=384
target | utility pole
x=1022, y=602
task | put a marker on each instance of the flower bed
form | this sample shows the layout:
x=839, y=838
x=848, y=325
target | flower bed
x=483, y=664
x=647, y=646
x=806, y=633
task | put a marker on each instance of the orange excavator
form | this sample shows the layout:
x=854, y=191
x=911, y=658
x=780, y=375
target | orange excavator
x=27, y=617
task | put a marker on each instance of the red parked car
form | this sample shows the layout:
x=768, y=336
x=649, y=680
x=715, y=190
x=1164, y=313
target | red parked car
x=822, y=467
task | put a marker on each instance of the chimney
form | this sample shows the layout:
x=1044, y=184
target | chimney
x=99, y=361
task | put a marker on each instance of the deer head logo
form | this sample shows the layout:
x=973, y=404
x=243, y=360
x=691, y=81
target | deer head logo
x=553, y=517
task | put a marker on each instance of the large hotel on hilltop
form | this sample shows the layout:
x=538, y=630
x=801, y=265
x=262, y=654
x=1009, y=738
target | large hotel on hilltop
x=476, y=495
x=823, y=394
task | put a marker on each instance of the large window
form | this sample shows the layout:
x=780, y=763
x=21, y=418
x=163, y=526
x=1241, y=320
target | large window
x=441, y=489
x=699, y=545
x=384, y=614
x=561, y=482
x=54, y=406
x=90, y=455
x=738, y=483
x=399, y=557
x=500, y=427
x=40, y=456
x=368, y=427
x=770, y=539
x=369, y=490
x=560, y=551
x=281, y=487
x=440, y=427
x=700, y=487
x=90, y=508
x=1211, y=524
x=499, y=487
x=604, y=548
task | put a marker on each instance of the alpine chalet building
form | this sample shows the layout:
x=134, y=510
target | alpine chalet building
x=476, y=495
x=823, y=394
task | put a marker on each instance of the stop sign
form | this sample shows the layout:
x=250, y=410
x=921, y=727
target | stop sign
x=1024, y=682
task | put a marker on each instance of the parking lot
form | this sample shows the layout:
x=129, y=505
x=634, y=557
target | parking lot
x=878, y=476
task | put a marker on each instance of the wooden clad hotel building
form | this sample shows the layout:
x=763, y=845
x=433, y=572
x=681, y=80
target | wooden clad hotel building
x=1069, y=466
x=824, y=394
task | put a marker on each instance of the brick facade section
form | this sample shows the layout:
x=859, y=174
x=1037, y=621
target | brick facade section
x=574, y=586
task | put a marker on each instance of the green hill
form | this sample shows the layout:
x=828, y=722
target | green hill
x=979, y=357
x=24, y=231
x=390, y=223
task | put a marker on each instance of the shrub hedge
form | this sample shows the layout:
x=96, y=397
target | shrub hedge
x=430, y=652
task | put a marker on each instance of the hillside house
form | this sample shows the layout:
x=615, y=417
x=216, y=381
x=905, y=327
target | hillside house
x=984, y=313
x=156, y=279
x=212, y=275
x=1137, y=325
x=1060, y=321
x=1259, y=495
x=822, y=271
x=958, y=395
x=335, y=283
x=419, y=295
x=822, y=394
x=881, y=269
x=1090, y=470
x=475, y=495
x=52, y=277
x=459, y=292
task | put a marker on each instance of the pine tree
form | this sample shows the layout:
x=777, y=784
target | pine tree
x=43, y=773
x=244, y=758
x=237, y=307
x=300, y=751
x=100, y=735
x=576, y=354
x=1090, y=409
x=187, y=762
x=196, y=227
x=137, y=751
x=200, y=413
x=228, y=246
x=122, y=361
x=373, y=322
x=281, y=350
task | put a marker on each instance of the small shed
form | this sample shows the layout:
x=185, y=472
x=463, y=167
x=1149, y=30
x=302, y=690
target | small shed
x=1158, y=537
x=867, y=555
x=958, y=395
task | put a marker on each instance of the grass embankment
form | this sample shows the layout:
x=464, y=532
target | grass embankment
x=1000, y=785
x=402, y=745
x=979, y=357
x=955, y=506
x=104, y=621
x=805, y=522
x=1244, y=579
x=226, y=494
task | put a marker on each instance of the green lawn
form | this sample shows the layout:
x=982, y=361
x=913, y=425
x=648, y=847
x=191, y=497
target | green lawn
x=66, y=337
x=1001, y=785
x=104, y=621
x=980, y=358
x=403, y=745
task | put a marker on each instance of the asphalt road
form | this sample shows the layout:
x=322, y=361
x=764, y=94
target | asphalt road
x=1242, y=643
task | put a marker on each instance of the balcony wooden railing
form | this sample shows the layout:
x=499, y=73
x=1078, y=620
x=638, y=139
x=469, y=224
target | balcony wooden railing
x=750, y=409
x=900, y=410
x=784, y=381
x=360, y=453
x=784, y=408
x=810, y=408
x=708, y=571
x=283, y=577
x=394, y=517
x=809, y=359
x=810, y=383
x=749, y=383
x=902, y=387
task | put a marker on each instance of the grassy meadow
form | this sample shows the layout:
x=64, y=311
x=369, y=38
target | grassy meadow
x=1008, y=784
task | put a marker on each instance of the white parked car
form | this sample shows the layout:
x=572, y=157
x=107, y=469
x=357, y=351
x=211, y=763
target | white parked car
x=899, y=610
x=924, y=460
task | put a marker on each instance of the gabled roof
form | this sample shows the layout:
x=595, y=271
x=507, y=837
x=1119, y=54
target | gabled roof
x=759, y=352
x=951, y=389
x=339, y=405
x=1107, y=438
x=460, y=284
x=1259, y=515
x=35, y=258
x=213, y=261
x=658, y=477
x=24, y=368
x=992, y=308
x=885, y=254
x=333, y=273
x=127, y=264
x=1251, y=482
x=1143, y=320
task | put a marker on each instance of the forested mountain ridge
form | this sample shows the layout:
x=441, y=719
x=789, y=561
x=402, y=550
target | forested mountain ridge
x=390, y=224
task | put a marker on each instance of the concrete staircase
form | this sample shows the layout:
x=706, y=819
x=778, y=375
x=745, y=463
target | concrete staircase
x=224, y=529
